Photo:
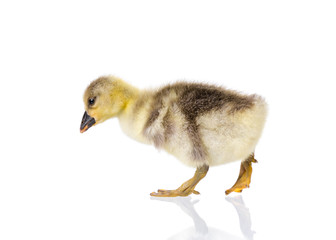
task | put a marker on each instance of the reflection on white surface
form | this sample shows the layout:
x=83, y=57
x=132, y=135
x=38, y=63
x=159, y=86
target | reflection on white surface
x=201, y=231
x=243, y=214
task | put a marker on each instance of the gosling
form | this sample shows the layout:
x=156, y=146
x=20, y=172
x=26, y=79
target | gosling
x=201, y=125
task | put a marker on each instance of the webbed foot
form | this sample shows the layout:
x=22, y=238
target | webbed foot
x=173, y=193
x=186, y=188
x=244, y=178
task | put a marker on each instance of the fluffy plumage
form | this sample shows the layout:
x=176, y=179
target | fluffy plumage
x=200, y=124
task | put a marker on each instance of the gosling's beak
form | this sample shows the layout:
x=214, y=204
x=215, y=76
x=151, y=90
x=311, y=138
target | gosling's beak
x=87, y=122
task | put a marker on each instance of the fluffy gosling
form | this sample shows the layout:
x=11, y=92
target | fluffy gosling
x=201, y=125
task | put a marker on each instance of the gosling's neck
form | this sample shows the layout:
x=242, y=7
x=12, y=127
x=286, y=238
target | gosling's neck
x=126, y=93
x=135, y=114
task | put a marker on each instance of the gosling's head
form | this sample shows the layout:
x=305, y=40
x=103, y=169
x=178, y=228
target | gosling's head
x=104, y=98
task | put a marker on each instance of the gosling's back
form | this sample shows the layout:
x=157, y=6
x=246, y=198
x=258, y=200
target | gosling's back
x=199, y=123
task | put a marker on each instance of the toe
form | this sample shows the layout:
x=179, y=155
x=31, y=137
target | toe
x=164, y=193
x=158, y=194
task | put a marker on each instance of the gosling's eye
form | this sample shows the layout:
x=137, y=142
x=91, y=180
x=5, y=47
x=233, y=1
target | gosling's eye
x=91, y=101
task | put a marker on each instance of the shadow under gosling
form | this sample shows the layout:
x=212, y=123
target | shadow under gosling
x=201, y=125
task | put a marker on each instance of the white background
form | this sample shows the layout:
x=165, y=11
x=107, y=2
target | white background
x=56, y=183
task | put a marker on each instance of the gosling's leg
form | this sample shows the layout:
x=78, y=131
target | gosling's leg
x=244, y=177
x=186, y=188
